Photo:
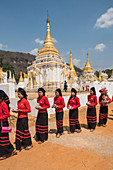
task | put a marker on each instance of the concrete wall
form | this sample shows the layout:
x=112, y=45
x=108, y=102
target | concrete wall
x=83, y=100
x=9, y=89
x=82, y=97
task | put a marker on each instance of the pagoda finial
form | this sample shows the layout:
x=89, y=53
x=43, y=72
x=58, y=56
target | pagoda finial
x=47, y=16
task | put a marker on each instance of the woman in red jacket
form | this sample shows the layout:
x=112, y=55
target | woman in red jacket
x=104, y=101
x=73, y=105
x=23, y=137
x=59, y=105
x=6, y=148
x=42, y=118
x=91, y=111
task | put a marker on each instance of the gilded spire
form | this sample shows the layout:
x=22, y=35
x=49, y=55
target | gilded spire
x=72, y=67
x=100, y=78
x=21, y=78
x=87, y=67
x=14, y=78
x=48, y=47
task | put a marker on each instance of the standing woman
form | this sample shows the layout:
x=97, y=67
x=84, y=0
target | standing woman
x=91, y=111
x=23, y=137
x=6, y=148
x=5, y=99
x=104, y=101
x=59, y=105
x=73, y=105
x=42, y=118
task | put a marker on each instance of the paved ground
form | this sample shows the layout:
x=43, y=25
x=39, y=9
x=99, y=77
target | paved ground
x=84, y=151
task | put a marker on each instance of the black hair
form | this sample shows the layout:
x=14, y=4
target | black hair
x=94, y=91
x=23, y=92
x=59, y=91
x=75, y=91
x=42, y=89
x=5, y=98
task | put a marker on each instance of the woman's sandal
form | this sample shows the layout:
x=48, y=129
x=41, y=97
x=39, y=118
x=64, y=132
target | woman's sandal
x=2, y=158
x=28, y=147
x=91, y=130
x=40, y=142
x=79, y=130
x=58, y=135
x=14, y=153
x=70, y=132
x=104, y=125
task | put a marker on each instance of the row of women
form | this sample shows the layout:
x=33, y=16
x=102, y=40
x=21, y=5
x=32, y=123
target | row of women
x=23, y=136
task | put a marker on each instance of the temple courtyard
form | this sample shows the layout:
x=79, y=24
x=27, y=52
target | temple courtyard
x=84, y=151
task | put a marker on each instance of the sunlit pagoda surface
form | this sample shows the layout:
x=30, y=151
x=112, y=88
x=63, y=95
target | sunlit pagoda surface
x=3, y=76
x=49, y=70
x=88, y=74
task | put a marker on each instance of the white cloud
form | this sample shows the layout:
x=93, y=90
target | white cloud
x=100, y=47
x=34, y=52
x=3, y=46
x=54, y=40
x=76, y=62
x=38, y=41
x=105, y=20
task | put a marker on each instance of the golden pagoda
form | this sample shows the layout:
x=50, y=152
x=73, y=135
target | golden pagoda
x=14, y=81
x=73, y=72
x=21, y=78
x=87, y=67
x=48, y=47
x=100, y=78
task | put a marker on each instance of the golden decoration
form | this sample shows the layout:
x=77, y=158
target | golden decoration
x=73, y=72
x=48, y=47
x=87, y=67
x=14, y=78
x=21, y=78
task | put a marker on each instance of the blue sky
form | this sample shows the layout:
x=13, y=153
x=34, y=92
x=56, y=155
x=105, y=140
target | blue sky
x=79, y=26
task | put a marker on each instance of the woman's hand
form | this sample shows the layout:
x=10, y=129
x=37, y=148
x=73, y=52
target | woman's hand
x=38, y=107
x=16, y=111
x=72, y=108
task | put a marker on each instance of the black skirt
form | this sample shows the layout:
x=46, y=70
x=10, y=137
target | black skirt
x=6, y=148
x=91, y=118
x=103, y=115
x=42, y=127
x=23, y=137
x=59, y=122
x=73, y=120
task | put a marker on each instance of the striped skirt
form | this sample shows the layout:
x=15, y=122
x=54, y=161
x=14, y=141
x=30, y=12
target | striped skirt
x=23, y=137
x=91, y=118
x=59, y=122
x=42, y=127
x=73, y=120
x=6, y=148
x=103, y=115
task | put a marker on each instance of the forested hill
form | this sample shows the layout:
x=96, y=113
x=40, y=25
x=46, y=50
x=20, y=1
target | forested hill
x=15, y=61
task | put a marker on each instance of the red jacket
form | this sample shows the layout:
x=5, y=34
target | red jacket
x=100, y=101
x=5, y=112
x=44, y=103
x=25, y=107
x=93, y=100
x=60, y=103
x=73, y=102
